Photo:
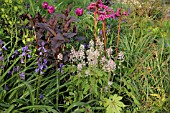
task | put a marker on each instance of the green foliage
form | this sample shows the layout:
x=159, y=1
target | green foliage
x=113, y=104
x=139, y=84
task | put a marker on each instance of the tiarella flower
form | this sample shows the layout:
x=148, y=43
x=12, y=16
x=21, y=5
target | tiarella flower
x=120, y=56
x=45, y=5
x=60, y=56
x=79, y=11
x=87, y=72
x=109, y=52
x=22, y=75
x=51, y=9
x=79, y=67
x=110, y=83
x=110, y=66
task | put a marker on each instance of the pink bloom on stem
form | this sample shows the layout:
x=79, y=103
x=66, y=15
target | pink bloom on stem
x=79, y=11
x=45, y=5
x=118, y=12
x=125, y=13
x=92, y=6
x=51, y=9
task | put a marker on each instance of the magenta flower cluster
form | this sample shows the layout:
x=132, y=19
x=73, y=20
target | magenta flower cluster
x=50, y=8
x=79, y=11
x=104, y=11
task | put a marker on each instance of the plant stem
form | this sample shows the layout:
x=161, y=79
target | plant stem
x=104, y=35
x=118, y=37
x=95, y=24
x=57, y=92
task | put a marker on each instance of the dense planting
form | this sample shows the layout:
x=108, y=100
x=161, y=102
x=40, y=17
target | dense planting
x=84, y=56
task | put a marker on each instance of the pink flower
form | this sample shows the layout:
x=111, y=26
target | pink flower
x=51, y=9
x=91, y=6
x=125, y=13
x=45, y=5
x=79, y=11
x=118, y=12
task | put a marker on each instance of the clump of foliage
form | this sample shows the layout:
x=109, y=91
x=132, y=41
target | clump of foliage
x=45, y=66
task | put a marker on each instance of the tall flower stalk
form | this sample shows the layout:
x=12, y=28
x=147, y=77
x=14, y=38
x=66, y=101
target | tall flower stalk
x=95, y=6
x=118, y=34
x=104, y=34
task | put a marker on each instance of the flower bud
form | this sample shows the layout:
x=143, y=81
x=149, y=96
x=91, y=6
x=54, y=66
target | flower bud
x=51, y=9
x=45, y=5
x=79, y=11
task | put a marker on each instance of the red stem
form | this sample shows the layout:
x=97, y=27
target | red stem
x=118, y=37
x=104, y=34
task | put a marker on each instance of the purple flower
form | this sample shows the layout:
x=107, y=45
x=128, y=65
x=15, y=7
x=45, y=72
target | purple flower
x=15, y=53
x=45, y=5
x=51, y=9
x=4, y=48
x=6, y=87
x=166, y=45
x=42, y=49
x=1, y=58
x=28, y=5
x=129, y=11
x=2, y=67
x=22, y=75
x=79, y=11
x=1, y=42
x=100, y=32
x=37, y=70
x=60, y=67
x=25, y=52
x=41, y=96
x=22, y=61
x=9, y=72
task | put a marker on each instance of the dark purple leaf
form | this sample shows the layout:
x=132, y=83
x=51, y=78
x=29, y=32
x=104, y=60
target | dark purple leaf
x=57, y=15
x=69, y=35
x=46, y=27
x=80, y=38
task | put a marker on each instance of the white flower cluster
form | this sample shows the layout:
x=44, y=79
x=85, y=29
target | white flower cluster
x=95, y=57
x=120, y=56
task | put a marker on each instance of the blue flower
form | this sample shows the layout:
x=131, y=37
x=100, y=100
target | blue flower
x=41, y=96
x=6, y=87
x=60, y=67
x=1, y=42
x=1, y=58
x=4, y=48
x=22, y=75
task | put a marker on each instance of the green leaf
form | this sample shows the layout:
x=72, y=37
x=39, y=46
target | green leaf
x=113, y=104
